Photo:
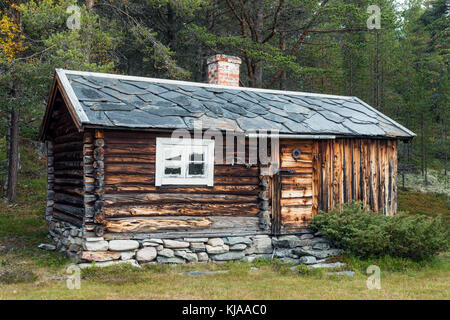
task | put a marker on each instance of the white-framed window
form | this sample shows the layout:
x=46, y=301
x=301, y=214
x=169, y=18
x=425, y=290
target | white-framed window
x=184, y=162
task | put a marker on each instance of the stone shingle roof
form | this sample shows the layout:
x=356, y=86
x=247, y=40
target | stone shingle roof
x=116, y=101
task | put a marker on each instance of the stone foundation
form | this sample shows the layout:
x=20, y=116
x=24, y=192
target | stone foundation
x=305, y=248
x=67, y=237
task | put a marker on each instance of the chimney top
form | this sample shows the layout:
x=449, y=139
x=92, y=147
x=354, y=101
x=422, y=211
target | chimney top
x=223, y=70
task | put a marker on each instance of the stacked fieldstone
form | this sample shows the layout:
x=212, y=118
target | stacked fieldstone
x=306, y=248
x=68, y=238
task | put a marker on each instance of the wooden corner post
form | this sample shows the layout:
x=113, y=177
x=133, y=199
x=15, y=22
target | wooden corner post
x=50, y=181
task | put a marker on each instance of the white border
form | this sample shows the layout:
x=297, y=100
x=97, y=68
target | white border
x=161, y=143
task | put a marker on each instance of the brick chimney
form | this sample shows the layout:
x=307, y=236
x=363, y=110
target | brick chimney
x=223, y=70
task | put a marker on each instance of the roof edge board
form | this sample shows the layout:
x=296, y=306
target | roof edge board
x=82, y=117
x=44, y=124
x=412, y=134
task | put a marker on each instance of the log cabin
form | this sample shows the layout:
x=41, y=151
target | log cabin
x=115, y=171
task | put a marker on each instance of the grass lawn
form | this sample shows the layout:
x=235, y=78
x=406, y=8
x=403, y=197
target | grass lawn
x=27, y=272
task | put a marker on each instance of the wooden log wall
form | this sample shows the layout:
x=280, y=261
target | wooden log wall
x=65, y=163
x=131, y=195
x=358, y=169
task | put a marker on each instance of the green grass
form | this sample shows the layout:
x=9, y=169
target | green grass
x=27, y=272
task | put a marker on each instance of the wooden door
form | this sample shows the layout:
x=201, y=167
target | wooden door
x=296, y=184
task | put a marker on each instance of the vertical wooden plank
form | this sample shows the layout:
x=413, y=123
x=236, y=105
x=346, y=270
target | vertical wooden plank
x=276, y=193
x=365, y=172
x=276, y=205
x=389, y=170
x=333, y=174
x=326, y=175
x=374, y=175
x=356, y=168
x=338, y=171
x=386, y=176
x=315, y=177
x=394, y=173
x=349, y=169
x=344, y=160
x=380, y=171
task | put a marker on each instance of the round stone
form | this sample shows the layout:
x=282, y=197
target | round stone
x=146, y=255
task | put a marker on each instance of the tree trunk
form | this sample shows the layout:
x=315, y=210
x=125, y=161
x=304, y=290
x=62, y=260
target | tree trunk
x=422, y=143
x=13, y=129
x=13, y=156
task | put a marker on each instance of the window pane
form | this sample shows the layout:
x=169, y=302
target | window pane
x=172, y=171
x=196, y=169
x=173, y=154
x=195, y=156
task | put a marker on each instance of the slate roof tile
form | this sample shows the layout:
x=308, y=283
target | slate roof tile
x=131, y=102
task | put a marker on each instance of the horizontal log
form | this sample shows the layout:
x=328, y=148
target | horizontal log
x=71, y=137
x=150, y=179
x=289, y=171
x=231, y=189
x=69, y=199
x=87, y=138
x=191, y=209
x=296, y=163
x=118, y=149
x=301, y=180
x=149, y=169
x=69, y=181
x=126, y=135
x=133, y=198
x=76, y=221
x=296, y=187
x=126, y=139
x=71, y=173
x=145, y=225
x=182, y=224
x=68, y=147
x=127, y=159
x=69, y=190
x=296, y=201
x=296, y=193
x=68, y=209
x=68, y=164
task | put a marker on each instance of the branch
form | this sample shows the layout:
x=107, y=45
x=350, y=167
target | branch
x=275, y=22
x=327, y=31
x=244, y=35
x=301, y=39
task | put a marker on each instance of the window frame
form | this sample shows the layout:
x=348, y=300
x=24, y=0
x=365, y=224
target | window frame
x=163, y=144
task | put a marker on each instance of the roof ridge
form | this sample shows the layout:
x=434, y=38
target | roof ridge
x=198, y=84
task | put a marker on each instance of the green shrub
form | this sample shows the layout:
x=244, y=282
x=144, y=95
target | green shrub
x=365, y=233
